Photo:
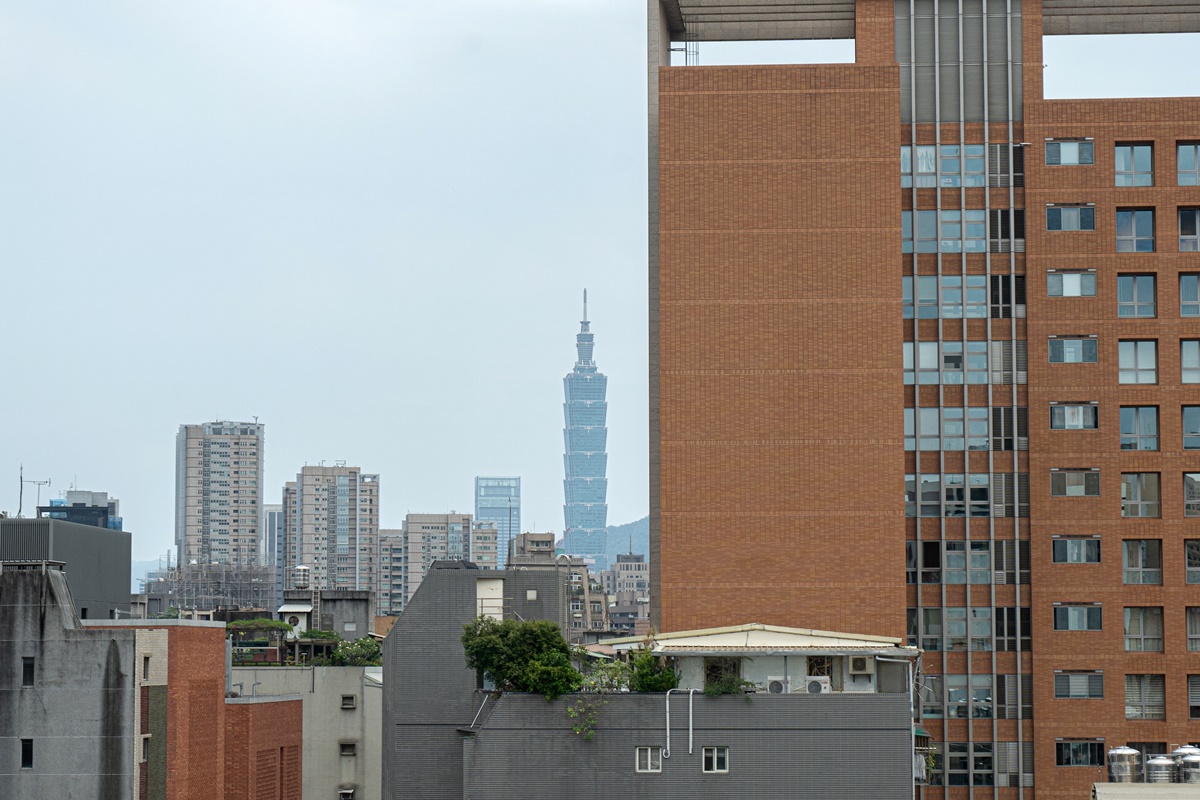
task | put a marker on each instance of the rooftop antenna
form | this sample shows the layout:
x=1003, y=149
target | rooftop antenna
x=21, y=493
x=585, y=319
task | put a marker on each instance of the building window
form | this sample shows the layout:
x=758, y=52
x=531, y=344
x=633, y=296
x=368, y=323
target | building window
x=649, y=759
x=1189, y=361
x=1135, y=230
x=27, y=665
x=1144, y=697
x=947, y=165
x=1142, y=561
x=1135, y=296
x=1191, y=494
x=348, y=748
x=1189, y=230
x=1187, y=162
x=968, y=696
x=1074, y=417
x=1074, y=483
x=1189, y=294
x=1079, y=754
x=1193, y=696
x=1008, y=638
x=1070, y=218
x=716, y=759
x=1069, y=153
x=145, y=668
x=1078, y=618
x=1143, y=629
x=1076, y=551
x=1134, y=165
x=1193, y=630
x=349, y=701
x=1079, y=685
x=945, y=231
x=1140, y=495
x=1071, y=284
x=1072, y=351
x=27, y=754
x=1191, y=427
x=1137, y=361
x=969, y=765
x=1139, y=427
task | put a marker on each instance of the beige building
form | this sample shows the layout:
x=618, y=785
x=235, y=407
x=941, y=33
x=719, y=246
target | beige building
x=218, y=500
x=530, y=548
x=627, y=586
x=426, y=538
x=331, y=526
x=389, y=585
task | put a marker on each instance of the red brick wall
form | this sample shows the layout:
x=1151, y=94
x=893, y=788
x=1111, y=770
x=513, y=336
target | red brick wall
x=263, y=745
x=195, y=707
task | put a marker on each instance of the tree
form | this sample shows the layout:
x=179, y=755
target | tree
x=651, y=673
x=521, y=656
x=364, y=652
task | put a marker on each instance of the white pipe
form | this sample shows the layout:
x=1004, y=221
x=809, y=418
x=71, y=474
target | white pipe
x=667, y=750
x=691, y=692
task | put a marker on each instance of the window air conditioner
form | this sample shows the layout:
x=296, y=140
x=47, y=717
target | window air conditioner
x=777, y=684
x=862, y=665
x=817, y=684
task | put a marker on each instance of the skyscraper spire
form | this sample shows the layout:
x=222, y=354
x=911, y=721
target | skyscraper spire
x=584, y=342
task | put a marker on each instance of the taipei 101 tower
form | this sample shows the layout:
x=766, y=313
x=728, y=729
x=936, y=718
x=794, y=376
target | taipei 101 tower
x=585, y=486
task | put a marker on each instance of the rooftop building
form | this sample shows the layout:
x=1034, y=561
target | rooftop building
x=85, y=508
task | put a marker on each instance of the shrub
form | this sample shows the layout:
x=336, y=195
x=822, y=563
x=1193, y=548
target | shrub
x=364, y=652
x=651, y=673
x=529, y=656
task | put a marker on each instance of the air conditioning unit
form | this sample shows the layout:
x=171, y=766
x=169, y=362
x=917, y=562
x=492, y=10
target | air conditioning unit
x=816, y=684
x=777, y=684
x=862, y=665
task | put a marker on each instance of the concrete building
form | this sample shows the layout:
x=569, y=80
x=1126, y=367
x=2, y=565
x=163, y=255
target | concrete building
x=498, y=500
x=96, y=560
x=428, y=538
x=85, y=508
x=343, y=720
x=531, y=548
x=331, y=526
x=218, y=496
x=908, y=308
x=588, y=605
x=389, y=587
x=627, y=586
x=585, y=461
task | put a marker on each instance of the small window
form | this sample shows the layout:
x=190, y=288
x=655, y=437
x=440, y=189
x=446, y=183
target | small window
x=1076, y=551
x=1187, y=162
x=1135, y=296
x=1071, y=284
x=1189, y=294
x=349, y=701
x=1135, y=230
x=1134, y=165
x=1072, y=351
x=1070, y=218
x=1189, y=230
x=1191, y=427
x=1191, y=552
x=1193, y=696
x=1139, y=427
x=1137, y=362
x=348, y=748
x=649, y=759
x=83, y=613
x=145, y=748
x=1140, y=494
x=27, y=665
x=1144, y=697
x=1069, y=153
x=716, y=759
x=1078, y=618
x=1143, y=629
x=27, y=754
x=1142, y=561
x=1079, y=685
x=1079, y=754
x=1074, y=483
x=531, y=594
x=1189, y=361
x=1193, y=630
x=145, y=668
x=1074, y=417
x=1191, y=494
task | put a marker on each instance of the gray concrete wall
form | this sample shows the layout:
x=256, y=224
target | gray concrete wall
x=348, y=613
x=79, y=711
x=96, y=560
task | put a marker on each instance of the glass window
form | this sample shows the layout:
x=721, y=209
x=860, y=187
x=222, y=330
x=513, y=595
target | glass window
x=1072, y=351
x=1074, y=417
x=1074, y=153
x=1193, y=630
x=947, y=231
x=1189, y=230
x=1189, y=294
x=963, y=563
x=1078, y=618
x=1137, y=362
x=1191, y=494
x=649, y=759
x=1140, y=495
x=1142, y=561
x=716, y=759
x=1079, y=685
x=1135, y=296
x=1070, y=218
x=1191, y=427
x=1079, y=754
x=1187, y=162
x=1189, y=361
x=1074, y=483
x=1193, y=696
x=926, y=305
x=1134, y=165
x=1076, y=551
x=1139, y=427
x=1144, y=697
x=1135, y=230
x=968, y=696
x=1071, y=284
x=1191, y=556
x=1143, y=629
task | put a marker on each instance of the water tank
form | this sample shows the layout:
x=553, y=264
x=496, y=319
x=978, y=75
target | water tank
x=1124, y=765
x=1160, y=769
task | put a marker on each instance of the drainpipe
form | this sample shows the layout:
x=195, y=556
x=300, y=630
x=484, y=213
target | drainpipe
x=667, y=750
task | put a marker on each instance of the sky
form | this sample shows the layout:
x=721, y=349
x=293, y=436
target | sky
x=367, y=223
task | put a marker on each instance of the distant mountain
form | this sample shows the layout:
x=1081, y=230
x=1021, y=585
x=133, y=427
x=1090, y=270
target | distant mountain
x=619, y=537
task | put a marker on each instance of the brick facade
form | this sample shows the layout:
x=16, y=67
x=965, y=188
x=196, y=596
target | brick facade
x=264, y=739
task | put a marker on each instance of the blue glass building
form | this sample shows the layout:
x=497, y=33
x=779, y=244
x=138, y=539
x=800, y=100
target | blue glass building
x=585, y=462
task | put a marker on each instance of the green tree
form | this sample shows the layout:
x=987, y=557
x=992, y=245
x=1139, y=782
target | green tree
x=521, y=656
x=651, y=673
x=364, y=652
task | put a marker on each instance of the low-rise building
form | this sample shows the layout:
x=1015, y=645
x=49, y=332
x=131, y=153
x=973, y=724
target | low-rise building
x=96, y=560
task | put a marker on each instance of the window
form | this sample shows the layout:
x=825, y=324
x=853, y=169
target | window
x=957, y=165
x=1191, y=552
x=968, y=696
x=1006, y=230
x=1008, y=296
x=1074, y=483
x=1191, y=494
x=1144, y=697
x=1139, y=427
x=998, y=165
x=945, y=231
x=969, y=765
x=349, y=701
x=1143, y=629
x=946, y=429
x=1135, y=296
x=1074, y=417
x=1079, y=754
x=1193, y=630
x=1135, y=230
x=932, y=693
x=1076, y=551
x=973, y=564
x=27, y=665
x=1189, y=230
x=1142, y=561
x=27, y=754
x=649, y=759
x=1071, y=284
x=1134, y=165
x=348, y=748
x=1008, y=638
x=1140, y=496
x=718, y=670
x=1072, y=351
x=1189, y=361
x=1079, y=685
x=1187, y=162
x=1078, y=618
x=1070, y=218
x=950, y=495
x=1137, y=362
x=1193, y=696
x=1189, y=294
x=1191, y=427
x=1069, y=153
x=716, y=759
x=145, y=668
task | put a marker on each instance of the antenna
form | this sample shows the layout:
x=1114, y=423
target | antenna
x=585, y=305
x=21, y=494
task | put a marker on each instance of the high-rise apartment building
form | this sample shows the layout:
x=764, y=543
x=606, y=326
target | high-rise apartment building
x=585, y=462
x=927, y=337
x=331, y=526
x=498, y=500
x=218, y=498
x=426, y=538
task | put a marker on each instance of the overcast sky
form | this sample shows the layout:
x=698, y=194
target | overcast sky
x=367, y=223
